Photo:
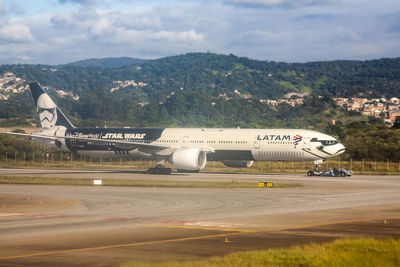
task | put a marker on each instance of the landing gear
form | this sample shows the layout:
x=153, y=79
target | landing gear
x=187, y=171
x=310, y=173
x=316, y=171
x=159, y=169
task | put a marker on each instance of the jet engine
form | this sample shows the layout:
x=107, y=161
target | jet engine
x=238, y=163
x=191, y=159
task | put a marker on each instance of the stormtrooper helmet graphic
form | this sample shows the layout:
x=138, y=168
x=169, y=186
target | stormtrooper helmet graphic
x=47, y=111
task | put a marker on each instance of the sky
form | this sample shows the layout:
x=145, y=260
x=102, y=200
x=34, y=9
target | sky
x=63, y=31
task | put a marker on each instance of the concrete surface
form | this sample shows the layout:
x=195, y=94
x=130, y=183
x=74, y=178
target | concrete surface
x=101, y=226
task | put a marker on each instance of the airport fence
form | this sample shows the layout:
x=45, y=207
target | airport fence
x=70, y=160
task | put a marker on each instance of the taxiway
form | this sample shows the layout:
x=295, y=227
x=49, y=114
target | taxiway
x=105, y=225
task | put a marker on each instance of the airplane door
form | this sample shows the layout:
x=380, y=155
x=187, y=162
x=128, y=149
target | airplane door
x=306, y=143
x=256, y=143
x=186, y=141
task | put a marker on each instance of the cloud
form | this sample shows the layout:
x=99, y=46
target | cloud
x=391, y=21
x=81, y=2
x=101, y=27
x=64, y=20
x=16, y=33
x=139, y=19
x=184, y=36
x=278, y=3
x=2, y=9
x=104, y=33
x=256, y=3
x=292, y=31
x=17, y=9
x=141, y=25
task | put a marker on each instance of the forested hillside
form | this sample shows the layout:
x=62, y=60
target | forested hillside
x=114, y=62
x=184, y=90
x=215, y=74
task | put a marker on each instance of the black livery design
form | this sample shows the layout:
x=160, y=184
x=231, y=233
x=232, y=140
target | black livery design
x=135, y=135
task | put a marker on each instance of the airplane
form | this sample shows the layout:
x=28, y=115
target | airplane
x=188, y=149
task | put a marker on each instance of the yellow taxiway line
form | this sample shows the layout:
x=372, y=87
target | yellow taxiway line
x=115, y=246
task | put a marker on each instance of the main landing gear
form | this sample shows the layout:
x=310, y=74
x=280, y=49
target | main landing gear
x=316, y=171
x=159, y=169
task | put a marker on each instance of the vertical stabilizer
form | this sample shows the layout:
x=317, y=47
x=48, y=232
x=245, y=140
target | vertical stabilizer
x=51, y=117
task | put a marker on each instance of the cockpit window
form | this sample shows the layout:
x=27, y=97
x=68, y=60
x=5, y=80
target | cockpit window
x=325, y=142
x=329, y=142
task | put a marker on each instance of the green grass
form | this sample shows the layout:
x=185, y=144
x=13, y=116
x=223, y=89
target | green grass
x=358, y=167
x=134, y=183
x=288, y=85
x=358, y=252
x=306, y=89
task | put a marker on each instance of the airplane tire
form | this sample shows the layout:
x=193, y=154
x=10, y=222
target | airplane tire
x=165, y=171
x=158, y=170
x=188, y=171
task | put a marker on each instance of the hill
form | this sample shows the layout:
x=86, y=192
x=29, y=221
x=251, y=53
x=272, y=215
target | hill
x=115, y=62
x=215, y=74
x=200, y=89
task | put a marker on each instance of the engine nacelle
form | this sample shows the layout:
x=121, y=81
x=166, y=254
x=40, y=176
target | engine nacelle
x=191, y=159
x=238, y=163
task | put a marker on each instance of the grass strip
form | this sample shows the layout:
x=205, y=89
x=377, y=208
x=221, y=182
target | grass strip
x=347, y=252
x=134, y=183
x=358, y=167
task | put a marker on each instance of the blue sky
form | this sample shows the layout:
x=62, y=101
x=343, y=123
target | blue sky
x=62, y=31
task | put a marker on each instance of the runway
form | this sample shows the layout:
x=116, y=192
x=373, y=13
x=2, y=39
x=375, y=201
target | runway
x=102, y=226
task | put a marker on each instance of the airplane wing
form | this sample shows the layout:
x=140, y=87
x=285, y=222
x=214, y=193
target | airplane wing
x=39, y=136
x=159, y=149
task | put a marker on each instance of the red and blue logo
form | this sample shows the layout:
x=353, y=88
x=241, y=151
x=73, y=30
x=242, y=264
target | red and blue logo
x=297, y=139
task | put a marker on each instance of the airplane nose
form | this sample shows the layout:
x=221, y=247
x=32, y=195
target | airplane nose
x=340, y=149
x=333, y=150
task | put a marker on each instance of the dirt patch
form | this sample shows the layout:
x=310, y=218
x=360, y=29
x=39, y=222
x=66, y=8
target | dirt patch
x=33, y=204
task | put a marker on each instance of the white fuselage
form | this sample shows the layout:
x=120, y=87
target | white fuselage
x=227, y=144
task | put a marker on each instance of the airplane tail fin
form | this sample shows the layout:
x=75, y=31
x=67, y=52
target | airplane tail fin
x=51, y=117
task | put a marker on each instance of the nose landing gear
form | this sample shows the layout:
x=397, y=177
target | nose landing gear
x=316, y=171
